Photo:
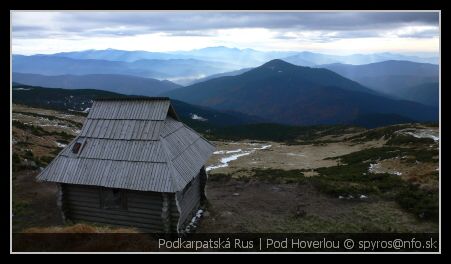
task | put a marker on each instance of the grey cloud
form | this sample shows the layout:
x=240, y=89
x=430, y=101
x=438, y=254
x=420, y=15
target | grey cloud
x=215, y=20
x=423, y=34
x=196, y=23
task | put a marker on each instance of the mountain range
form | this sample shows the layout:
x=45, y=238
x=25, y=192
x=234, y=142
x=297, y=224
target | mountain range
x=403, y=79
x=285, y=93
x=326, y=91
x=177, y=70
x=311, y=59
x=183, y=67
x=124, y=84
x=243, y=57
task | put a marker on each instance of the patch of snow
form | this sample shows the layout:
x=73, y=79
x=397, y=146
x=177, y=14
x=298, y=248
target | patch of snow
x=397, y=173
x=224, y=162
x=340, y=197
x=52, y=125
x=193, y=224
x=83, y=111
x=66, y=115
x=227, y=151
x=22, y=89
x=374, y=167
x=363, y=196
x=60, y=145
x=263, y=147
x=234, y=157
x=422, y=133
x=233, y=151
x=197, y=117
x=296, y=154
x=249, y=144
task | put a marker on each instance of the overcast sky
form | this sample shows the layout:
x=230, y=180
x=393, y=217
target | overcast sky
x=327, y=32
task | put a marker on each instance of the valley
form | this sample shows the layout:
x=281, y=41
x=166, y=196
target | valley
x=334, y=180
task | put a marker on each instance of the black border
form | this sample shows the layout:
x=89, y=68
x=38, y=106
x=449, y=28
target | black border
x=236, y=5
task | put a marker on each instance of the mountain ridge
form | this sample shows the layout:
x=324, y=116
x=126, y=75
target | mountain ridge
x=125, y=84
x=297, y=95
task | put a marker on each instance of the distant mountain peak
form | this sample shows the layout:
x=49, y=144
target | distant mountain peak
x=277, y=63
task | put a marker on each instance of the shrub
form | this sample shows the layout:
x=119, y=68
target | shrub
x=336, y=187
x=220, y=177
x=16, y=160
x=401, y=139
x=28, y=154
x=46, y=159
x=279, y=176
x=422, y=203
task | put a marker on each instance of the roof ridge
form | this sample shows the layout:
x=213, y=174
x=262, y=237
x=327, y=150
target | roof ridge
x=175, y=186
x=172, y=132
x=42, y=173
x=198, y=134
x=81, y=158
x=132, y=98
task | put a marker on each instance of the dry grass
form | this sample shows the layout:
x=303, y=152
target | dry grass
x=80, y=228
x=83, y=238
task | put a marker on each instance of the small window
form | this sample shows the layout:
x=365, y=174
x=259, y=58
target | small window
x=76, y=147
x=113, y=199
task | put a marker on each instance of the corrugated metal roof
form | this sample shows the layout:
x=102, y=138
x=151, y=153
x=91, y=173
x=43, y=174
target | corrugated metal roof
x=130, y=109
x=131, y=144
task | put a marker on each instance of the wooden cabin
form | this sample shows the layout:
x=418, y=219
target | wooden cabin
x=135, y=164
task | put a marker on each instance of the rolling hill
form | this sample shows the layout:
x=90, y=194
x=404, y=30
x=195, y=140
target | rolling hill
x=425, y=93
x=80, y=101
x=284, y=93
x=125, y=84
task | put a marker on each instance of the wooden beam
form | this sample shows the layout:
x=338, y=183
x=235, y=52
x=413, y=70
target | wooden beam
x=165, y=213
